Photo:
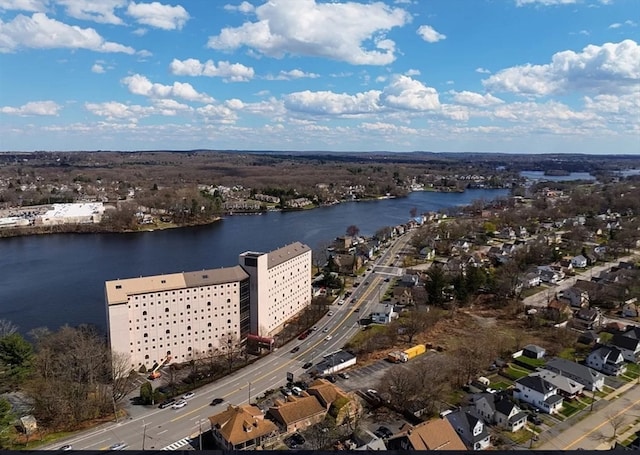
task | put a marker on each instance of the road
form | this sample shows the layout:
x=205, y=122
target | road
x=153, y=428
x=541, y=299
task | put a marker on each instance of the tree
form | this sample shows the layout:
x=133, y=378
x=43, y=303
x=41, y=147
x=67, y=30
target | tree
x=436, y=282
x=320, y=255
x=416, y=322
x=7, y=328
x=353, y=230
x=16, y=355
x=146, y=393
x=6, y=423
x=121, y=384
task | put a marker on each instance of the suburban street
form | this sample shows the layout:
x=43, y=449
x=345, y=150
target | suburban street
x=153, y=428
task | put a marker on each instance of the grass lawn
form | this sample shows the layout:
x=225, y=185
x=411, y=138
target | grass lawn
x=519, y=437
x=532, y=364
x=500, y=385
x=514, y=372
x=568, y=410
x=531, y=291
x=568, y=354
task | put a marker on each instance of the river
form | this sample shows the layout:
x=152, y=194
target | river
x=52, y=280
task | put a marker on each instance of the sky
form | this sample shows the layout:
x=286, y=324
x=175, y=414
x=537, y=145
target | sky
x=513, y=76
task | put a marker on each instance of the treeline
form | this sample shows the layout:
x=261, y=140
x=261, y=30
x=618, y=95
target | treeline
x=64, y=377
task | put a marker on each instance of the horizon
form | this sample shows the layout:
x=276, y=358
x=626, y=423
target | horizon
x=510, y=77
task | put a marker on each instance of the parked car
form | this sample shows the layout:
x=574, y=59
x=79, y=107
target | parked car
x=167, y=403
x=118, y=446
x=331, y=378
x=344, y=375
x=295, y=440
x=315, y=327
x=188, y=395
x=66, y=447
x=296, y=349
x=341, y=302
x=179, y=404
x=296, y=390
x=534, y=419
x=325, y=330
x=286, y=391
x=384, y=432
x=302, y=336
x=307, y=365
x=216, y=401
x=330, y=313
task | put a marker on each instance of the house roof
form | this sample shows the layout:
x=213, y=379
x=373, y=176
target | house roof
x=534, y=348
x=464, y=422
x=325, y=391
x=296, y=409
x=436, y=434
x=281, y=255
x=505, y=406
x=625, y=342
x=536, y=383
x=607, y=354
x=563, y=383
x=633, y=332
x=238, y=424
x=573, y=369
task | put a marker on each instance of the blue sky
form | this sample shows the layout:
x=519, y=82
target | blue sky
x=517, y=76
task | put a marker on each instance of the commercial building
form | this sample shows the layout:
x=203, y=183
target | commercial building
x=182, y=315
x=190, y=315
x=280, y=286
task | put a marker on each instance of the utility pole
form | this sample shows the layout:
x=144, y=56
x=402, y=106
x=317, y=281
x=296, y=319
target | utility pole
x=249, y=392
x=144, y=434
x=200, y=434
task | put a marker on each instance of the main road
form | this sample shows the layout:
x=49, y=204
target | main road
x=154, y=428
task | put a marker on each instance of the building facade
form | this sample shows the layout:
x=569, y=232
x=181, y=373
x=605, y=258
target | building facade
x=280, y=286
x=181, y=315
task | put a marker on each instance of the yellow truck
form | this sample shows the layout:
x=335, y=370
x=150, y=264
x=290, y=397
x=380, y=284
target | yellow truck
x=407, y=354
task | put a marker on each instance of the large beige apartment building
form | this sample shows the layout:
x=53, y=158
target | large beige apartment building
x=280, y=286
x=185, y=315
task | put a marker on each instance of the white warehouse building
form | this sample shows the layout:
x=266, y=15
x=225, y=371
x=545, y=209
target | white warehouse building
x=280, y=286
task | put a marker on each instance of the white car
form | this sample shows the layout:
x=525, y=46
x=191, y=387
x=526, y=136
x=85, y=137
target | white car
x=179, y=404
x=315, y=327
x=118, y=446
x=341, y=302
x=328, y=337
x=296, y=390
x=330, y=313
x=188, y=395
x=325, y=330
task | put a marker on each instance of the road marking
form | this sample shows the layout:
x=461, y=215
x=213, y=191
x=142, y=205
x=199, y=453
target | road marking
x=602, y=424
x=176, y=445
x=161, y=432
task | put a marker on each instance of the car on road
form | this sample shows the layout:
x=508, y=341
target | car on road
x=307, y=365
x=296, y=349
x=325, y=330
x=357, y=310
x=328, y=337
x=216, y=401
x=344, y=375
x=167, y=403
x=366, y=282
x=386, y=280
x=372, y=391
x=315, y=327
x=303, y=335
x=330, y=313
x=188, y=395
x=66, y=447
x=118, y=446
x=179, y=404
x=341, y=302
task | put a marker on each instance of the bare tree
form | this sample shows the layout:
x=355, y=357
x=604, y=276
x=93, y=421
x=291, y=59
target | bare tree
x=353, y=230
x=122, y=385
x=7, y=328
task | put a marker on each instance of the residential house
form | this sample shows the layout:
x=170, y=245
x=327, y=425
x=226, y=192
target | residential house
x=591, y=379
x=550, y=275
x=364, y=439
x=586, y=319
x=531, y=280
x=402, y=295
x=579, y=261
x=383, y=313
x=589, y=337
x=630, y=310
x=410, y=279
x=628, y=343
x=577, y=297
x=436, y=434
x=297, y=413
x=497, y=409
x=470, y=428
x=348, y=264
x=242, y=428
x=339, y=404
x=608, y=360
x=558, y=310
x=567, y=388
x=539, y=393
x=427, y=253
x=533, y=351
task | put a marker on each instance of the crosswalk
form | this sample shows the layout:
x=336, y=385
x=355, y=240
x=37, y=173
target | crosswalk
x=178, y=444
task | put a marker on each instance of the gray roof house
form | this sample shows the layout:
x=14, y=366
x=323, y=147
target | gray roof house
x=533, y=351
x=628, y=343
x=591, y=379
x=607, y=359
x=470, y=428
x=383, y=313
x=539, y=393
x=567, y=387
x=496, y=408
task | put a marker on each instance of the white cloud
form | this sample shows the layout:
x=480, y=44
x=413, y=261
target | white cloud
x=540, y=112
x=98, y=11
x=97, y=68
x=330, y=103
x=475, y=99
x=113, y=110
x=483, y=71
x=293, y=74
x=33, y=108
x=429, y=34
x=244, y=7
x=140, y=85
x=612, y=67
x=158, y=15
x=406, y=93
x=41, y=32
x=331, y=30
x=234, y=72
x=217, y=113
x=545, y=2
x=615, y=25
x=31, y=6
x=412, y=72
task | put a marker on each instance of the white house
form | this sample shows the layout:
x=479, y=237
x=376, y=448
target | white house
x=579, y=261
x=607, y=359
x=470, y=428
x=383, y=313
x=498, y=409
x=539, y=393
